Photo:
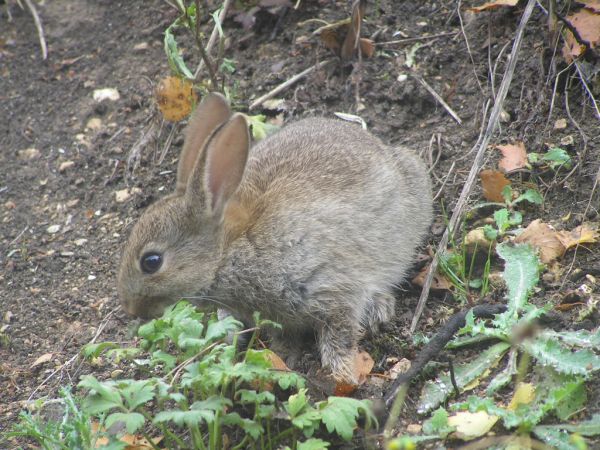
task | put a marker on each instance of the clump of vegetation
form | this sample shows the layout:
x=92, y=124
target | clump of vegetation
x=199, y=392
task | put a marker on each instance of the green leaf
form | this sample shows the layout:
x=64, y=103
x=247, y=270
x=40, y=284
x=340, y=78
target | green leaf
x=436, y=392
x=296, y=403
x=563, y=360
x=557, y=157
x=504, y=377
x=438, y=424
x=219, y=329
x=102, y=396
x=490, y=233
x=507, y=194
x=188, y=418
x=313, y=444
x=501, y=219
x=176, y=62
x=339, y=415
x=521, y=274
x=260, y=128
x=585, y=428
x=133, y=421
x=530, y=195
x=160, y=357
x=94, y=350
x=136, y=392
x=579, y=338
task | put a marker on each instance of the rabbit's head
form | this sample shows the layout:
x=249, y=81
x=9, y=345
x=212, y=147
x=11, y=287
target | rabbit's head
x=175, y=247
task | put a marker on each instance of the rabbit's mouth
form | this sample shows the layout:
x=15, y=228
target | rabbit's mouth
x=147, y=308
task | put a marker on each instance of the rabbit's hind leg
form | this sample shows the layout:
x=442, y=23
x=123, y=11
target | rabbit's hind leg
x=338, y=338
x=379, y=309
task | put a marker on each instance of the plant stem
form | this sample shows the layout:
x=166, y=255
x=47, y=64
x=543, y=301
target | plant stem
x=203, y=54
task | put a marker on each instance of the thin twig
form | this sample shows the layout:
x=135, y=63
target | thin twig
x=477, y=163
x=213, y=36
x=38, y=27
x=203, y=53
x=413, y=39
x=437, y=96
x=283, y=86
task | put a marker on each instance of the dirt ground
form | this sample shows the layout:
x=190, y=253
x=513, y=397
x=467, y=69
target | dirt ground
x=62, y=228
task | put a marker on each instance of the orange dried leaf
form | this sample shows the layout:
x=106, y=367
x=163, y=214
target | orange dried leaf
x=593, y=5
x=363, y=364
x=493, y=5
x=439, y=283
x=545, y=238
x=586, y=233
x=492, y=183
x=367, y=47
x=175, y=98
x=514, y=156
x=587, y=23
x=42, y=360
x=330, y=37
x=571, y=49
x=276, y=361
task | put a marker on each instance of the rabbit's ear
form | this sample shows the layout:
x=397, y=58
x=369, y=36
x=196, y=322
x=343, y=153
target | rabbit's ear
x=209, y=115
x=219, y=171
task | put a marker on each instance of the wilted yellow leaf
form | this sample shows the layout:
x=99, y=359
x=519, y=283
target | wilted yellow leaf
x=514, y=156
x=586, y=233
x=175, y=98
x=524, y=394
x=470, y=425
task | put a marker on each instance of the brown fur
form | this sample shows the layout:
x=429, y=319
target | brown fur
x=321, y=226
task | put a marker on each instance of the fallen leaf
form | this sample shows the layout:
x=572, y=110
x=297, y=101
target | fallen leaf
x=343, y=37
x=276, y=362
x=471, y=425
x=492, y=183
x=593, y=5
x=363, y=364
x=66, y=165
x=493, y=5
x=514, y=156
x=524, y=394
x=586, y=233
x=42, y=359
x=400, y=367
x=29, y=153
x=175, y=98
x=439, y=283
x=475, y=240
x=543, y=237
x=587, y=24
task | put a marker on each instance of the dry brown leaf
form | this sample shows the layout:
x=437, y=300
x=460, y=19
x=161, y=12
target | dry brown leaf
x=514, y=156
x=343, y=37
x=493, y=5
x=492, y=183
x=363, y=364
x=277, y=362
x=545, y=238
x=593, y=5
x=587, y=24
x=175, y=98
x=586, y=233
x=42, y=359
x=439, y=283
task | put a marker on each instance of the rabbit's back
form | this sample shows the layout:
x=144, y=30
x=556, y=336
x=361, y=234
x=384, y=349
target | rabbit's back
x=333, y=210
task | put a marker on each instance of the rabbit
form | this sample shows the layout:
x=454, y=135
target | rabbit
x=313, y=227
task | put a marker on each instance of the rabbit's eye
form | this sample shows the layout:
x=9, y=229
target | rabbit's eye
x=151, y=262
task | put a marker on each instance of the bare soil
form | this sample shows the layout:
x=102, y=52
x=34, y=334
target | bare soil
x=62, y=229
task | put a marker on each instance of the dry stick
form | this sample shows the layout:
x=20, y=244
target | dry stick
x=283, y=86
x=437, y=96
x=213, y=36
x=38, y=26
x=477, y=162
x=413, y=39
